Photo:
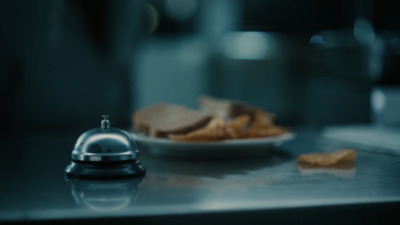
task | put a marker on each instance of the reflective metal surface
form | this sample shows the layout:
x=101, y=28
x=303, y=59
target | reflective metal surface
x=264, y=189
x=105, y=196
x=105, y=144
x=105, y=153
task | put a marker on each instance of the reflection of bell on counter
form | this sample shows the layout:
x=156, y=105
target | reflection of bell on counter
x=104, y=195
x=105, y=153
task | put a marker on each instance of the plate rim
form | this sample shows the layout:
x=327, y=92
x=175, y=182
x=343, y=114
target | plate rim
x=141, y=138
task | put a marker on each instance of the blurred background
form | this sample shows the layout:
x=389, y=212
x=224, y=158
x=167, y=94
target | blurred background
x=64, y=63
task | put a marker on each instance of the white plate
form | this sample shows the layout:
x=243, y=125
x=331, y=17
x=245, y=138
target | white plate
x=227, y=148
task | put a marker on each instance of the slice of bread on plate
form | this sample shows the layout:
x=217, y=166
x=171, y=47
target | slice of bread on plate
x=227, y=109
x=162, y=119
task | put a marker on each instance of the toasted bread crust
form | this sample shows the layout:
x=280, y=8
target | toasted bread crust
x=163, y=119
x=227, y=109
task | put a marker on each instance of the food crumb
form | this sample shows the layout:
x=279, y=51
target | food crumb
x=343, y=155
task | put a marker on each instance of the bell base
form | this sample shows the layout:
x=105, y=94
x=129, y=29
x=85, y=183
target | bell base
x=108, y=171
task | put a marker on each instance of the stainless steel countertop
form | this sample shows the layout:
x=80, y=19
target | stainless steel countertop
x=271, y=186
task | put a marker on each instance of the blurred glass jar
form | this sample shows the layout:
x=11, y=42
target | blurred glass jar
x=385, y=104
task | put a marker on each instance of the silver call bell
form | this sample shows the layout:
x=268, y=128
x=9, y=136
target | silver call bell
x=105, y=153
